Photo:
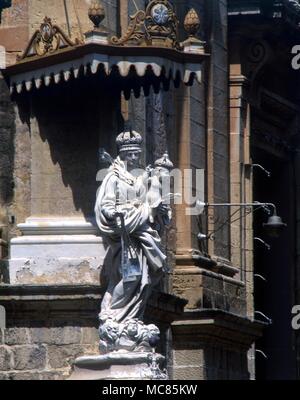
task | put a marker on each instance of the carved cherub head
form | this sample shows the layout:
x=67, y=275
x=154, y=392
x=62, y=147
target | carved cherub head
x=109, y=330
x=132, y=328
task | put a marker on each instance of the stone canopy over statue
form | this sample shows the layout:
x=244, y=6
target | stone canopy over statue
x=130, y=212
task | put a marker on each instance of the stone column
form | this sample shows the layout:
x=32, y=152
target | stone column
x=241, y=232
x=187, y=279
x=241, y=229
x=217, y=132
x=239, y=157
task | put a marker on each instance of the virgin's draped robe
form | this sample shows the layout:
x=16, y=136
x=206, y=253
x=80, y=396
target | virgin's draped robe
x=122, y=192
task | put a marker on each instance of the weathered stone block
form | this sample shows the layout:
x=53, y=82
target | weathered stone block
x=90, y=335
x=189, y=373
x=213, y=283
x=29, y=357
x=219, y=301
x=63, y=356
x=52, y=375
x=188, y=287
x=233, y=290
x=5, y=358
x=24, y=376
x=4, y=377
x=189, y=357
x=1, y=336
x=236, y=305
x=57, y=335
x=16, y=336
x=208, y=299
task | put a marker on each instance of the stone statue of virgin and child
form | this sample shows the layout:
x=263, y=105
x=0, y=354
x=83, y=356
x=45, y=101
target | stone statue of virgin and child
x=130, y=213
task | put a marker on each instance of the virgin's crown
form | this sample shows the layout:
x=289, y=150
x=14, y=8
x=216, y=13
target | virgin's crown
x=129, y=140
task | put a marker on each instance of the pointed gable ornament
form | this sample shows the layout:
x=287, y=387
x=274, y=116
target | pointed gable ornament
x=48, y=39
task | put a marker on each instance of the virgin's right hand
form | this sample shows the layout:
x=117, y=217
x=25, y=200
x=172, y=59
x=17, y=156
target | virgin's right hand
x=112, y=214
x=118, y=214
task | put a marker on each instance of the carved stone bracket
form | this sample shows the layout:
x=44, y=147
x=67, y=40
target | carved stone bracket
x=135, y=33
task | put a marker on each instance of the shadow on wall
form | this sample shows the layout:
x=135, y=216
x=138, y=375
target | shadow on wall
x=75, y=120
x=210, y=361
x=7, y=133
x=226, y=364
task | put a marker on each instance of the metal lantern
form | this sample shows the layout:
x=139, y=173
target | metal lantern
x=274, y=226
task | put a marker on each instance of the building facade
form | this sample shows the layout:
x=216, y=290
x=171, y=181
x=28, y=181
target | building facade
x=235, y=119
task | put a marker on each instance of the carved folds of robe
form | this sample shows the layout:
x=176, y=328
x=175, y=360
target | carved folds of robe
x=123, y=192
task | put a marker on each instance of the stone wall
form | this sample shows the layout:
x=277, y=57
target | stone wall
x=212, y=345
x=38, y=180
x=49, y=326
x=217, y=126
x=201, y=361
x=43, y=337
x=14, y=29
x=23, y=18
x=43, y=353
x=209, y=290
x=64, y=144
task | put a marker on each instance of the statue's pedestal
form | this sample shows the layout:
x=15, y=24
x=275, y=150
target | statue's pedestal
x=115, y=366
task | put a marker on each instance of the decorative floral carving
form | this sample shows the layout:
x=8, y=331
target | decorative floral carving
x=156, y=26
x=135, y=33
x=153, y=371
x=162, y=23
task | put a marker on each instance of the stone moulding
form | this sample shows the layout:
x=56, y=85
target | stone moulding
x=36, y=299
x=57, y=226
x=217, y=326
x=61, y=66
x=112, y=366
